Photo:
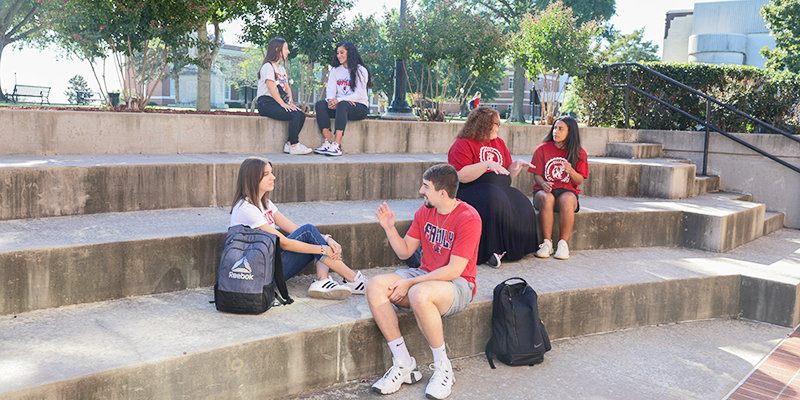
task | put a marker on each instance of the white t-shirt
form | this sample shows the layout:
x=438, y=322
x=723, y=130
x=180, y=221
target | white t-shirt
x=269, y=72
x=245, y=213
x=339, y=85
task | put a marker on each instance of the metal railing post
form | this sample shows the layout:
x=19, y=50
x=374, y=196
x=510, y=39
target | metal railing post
x=705, y=145
x=627, y=95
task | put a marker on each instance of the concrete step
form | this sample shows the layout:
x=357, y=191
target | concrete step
x=36, y=187
x=634, y=150
x=58, y=261
x=176, y=345
x=773, y=221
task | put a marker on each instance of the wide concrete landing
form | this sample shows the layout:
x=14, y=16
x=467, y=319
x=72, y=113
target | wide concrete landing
x=167, y=345
x=699, y=360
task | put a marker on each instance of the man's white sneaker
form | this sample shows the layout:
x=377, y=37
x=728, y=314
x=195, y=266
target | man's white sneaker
x=359, y=284
x=299, y=148
x=324, y=148
x=334, y=150
x=396, y=376
x=545, y=249
x=328, y=289
x=441, y=381
x=563, y=250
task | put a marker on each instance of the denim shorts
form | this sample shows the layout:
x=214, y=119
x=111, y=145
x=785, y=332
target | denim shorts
x=462, y=290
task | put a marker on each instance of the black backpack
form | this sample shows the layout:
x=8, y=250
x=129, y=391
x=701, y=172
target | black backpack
x=472, y=104
x=518, y=335
x=249, y=270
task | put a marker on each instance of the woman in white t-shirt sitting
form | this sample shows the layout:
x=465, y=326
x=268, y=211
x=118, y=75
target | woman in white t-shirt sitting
x=346, y=97
x=275, y=95
x=303, y=243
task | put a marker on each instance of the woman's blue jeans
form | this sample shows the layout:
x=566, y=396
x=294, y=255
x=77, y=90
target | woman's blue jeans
x=293, y=262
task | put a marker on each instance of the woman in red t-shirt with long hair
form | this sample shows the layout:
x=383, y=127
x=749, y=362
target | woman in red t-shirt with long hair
x=559, y=167
x=485, y=170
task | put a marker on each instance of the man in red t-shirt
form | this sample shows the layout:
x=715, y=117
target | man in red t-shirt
x=449, y=231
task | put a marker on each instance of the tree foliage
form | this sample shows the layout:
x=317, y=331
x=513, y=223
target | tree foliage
x=783, y=21
x=25, y=21
x=437, y=42
x=551, y=44
x=76, y=84
x=630, y=48
x=97, y=30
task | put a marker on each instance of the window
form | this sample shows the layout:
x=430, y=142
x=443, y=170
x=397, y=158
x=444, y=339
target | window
x=510, y=83
x=493, y=106
x=227, y=93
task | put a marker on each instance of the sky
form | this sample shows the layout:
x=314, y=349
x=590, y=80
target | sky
x=50, y=68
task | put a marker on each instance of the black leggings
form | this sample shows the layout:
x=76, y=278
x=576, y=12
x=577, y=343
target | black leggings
x=268, y=107
x=344, y=112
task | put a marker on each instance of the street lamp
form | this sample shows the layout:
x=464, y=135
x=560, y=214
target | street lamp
x=399, y=108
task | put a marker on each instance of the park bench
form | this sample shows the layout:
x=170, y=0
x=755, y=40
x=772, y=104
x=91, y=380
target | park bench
x=41, y=92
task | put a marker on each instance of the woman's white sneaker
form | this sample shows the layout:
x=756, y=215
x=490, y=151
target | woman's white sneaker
x=324, y=148
x=545, y=249
x=396, y=376
x=563, y=250
x=441, y=382
x=299, y=148
x=359, y=284
x=328, y=289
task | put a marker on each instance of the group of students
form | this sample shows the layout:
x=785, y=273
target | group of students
x=470, y=215
x=346, y=97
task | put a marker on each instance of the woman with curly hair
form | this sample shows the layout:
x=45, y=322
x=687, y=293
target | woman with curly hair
x=485, y=171
x=346, y=97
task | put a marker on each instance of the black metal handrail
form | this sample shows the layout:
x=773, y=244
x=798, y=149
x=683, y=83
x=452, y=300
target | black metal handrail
x=705, y=123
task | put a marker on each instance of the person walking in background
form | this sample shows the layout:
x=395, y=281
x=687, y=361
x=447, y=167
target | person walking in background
x=485, y=171
x=559, y=167
x=304, y=244
x=449, y=231
x=275, y=95
x=475, y=102
x=346, y=97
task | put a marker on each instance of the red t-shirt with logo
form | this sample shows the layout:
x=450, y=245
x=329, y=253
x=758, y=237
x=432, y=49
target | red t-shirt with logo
x=441, y=236
x=548, y=161
x=466, y=152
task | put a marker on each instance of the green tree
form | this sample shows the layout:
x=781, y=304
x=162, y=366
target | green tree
x=509, y=13
x=76, y=84
x=783, y=21
x=552, y=44
x=630, y=48
x=24, y=21
x=150, y=31
x=439, y=41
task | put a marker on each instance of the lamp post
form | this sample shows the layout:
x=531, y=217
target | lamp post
x=399, y=108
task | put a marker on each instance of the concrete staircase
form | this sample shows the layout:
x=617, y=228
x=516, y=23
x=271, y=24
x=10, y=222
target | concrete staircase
x=107, y=256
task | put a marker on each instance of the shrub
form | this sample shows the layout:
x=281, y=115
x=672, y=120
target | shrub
x=770, y=96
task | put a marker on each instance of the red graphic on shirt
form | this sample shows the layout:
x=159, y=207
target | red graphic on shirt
x=491, y=154
x=554, y=170
x=270, y=218
x=344, y=83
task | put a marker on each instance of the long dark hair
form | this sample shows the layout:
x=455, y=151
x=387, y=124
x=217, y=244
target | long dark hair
x=274, y=53
x=573, y=138
x=250, y=174
x=353, y=61
x=479, y=124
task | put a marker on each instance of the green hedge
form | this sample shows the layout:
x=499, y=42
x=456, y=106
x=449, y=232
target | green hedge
x=773, y=97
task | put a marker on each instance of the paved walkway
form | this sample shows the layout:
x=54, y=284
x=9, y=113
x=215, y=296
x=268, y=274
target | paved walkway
x=775, y=377
x=690, y=360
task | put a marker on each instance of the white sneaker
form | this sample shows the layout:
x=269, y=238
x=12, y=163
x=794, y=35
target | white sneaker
x=396, y=376
x=359, y=284
x=441, y=381
x=329, y=290
x=287, y=147
x=299, y=148
x=563, y=250
x=334, y=150
x=324, y=148
x=545, y=249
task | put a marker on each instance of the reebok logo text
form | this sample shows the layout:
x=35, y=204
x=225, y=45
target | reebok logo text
x=247, y=277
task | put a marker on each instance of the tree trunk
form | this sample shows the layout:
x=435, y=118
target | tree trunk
x=177, y=80
x=203, y=71
x=3, y=97
x=518, y=107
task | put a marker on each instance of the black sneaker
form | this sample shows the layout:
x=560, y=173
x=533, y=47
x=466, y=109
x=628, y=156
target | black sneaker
x=494, y=260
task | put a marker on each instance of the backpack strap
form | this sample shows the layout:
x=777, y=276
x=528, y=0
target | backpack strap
x=277, y=272
x=490, y=353
x=511, y=279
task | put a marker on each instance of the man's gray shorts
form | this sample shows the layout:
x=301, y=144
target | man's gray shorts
x=462, y=290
